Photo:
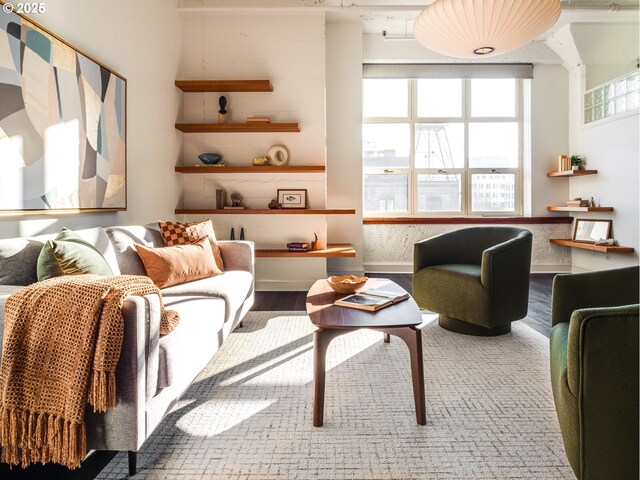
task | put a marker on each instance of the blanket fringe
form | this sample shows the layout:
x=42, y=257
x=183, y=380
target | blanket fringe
x=102, y=390
x=30, y=437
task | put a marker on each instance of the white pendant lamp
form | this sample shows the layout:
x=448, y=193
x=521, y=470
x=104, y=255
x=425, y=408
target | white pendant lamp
x=483, y=28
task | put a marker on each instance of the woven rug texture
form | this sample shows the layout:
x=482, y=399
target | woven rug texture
x=248, y=415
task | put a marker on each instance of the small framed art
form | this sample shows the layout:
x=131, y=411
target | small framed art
x=294, y=198
x=590, y=231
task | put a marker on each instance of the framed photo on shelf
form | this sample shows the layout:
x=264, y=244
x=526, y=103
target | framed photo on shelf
x=293, y=198
x=590, y=231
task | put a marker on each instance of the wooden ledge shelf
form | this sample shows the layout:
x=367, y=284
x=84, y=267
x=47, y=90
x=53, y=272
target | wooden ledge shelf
x=248, y=127
x=591, y=246
x=251, y=169
x=203, y=86
x=580, y=209
x=465, y=220
x=255, y=211
x=332, y=250
x=572, y=173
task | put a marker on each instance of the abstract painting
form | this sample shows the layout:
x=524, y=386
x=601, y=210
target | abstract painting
x=62, y=124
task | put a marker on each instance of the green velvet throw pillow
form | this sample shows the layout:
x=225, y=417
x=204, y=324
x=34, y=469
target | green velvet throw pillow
x=69, y=254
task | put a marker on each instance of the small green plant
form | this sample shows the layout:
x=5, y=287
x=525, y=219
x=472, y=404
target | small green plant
x=576, y=160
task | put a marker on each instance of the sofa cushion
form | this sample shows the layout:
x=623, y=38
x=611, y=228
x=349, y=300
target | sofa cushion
x=69, y=254
x=187, y=349
x=124, y=239
x=19, y=256
x=168, y=266
x=233, y=287
x=177, y=233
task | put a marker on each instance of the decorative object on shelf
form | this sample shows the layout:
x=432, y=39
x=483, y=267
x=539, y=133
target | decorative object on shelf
x=591, y=231
x=278, y=155
x=222, y=113
x=610, y=242
x=576, y=161
x=221, y=199
x=241, y=233
x=236, y=202
x=314, y=243
x=232, y=235
x=54, y=98
x=346, y=284
x=274, y=205
x=483, y=28
x=564, y=163
x=592, y=203
x=259, y=119
x=292, y=198
x=210, y=158
x=260, y=161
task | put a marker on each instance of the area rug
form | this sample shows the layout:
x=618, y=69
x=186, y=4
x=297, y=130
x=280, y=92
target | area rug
x=490, y=412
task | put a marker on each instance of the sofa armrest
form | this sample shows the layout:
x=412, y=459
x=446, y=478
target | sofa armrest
x=123, y=427
x=605, y=288
x=237, y=255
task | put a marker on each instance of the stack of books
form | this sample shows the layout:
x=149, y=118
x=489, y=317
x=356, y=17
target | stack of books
x=298, y=247
x=259, y=119
x=578, y=202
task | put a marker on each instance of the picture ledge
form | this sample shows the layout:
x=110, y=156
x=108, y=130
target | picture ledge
x=463, y=220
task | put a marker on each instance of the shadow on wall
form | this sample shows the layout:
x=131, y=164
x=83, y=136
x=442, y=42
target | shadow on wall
x=21, y=226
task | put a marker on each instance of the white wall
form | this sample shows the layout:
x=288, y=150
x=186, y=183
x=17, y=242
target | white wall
x=141, y=41
x=289, y=50
x=612, y=147
x=344, y=140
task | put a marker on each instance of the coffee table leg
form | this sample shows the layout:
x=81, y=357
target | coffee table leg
x=413, y=338
x=321, y=339
x=387, y=338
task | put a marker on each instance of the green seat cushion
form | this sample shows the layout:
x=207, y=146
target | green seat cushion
x=68, y=254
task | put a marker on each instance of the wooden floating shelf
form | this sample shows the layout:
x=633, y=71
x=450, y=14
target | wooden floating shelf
x=248, y=127
x=572, y=173
x=255, y=211
x=591, y=246
x=251, y=169
x=203, y=86
x=332, y=250
x=580, y=209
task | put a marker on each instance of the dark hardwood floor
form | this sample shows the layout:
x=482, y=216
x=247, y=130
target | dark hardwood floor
x=538, y=318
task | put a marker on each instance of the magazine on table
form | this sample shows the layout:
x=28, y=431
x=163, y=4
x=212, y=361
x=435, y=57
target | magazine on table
x=371, y=300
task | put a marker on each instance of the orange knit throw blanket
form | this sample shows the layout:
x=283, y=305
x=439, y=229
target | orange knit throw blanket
x=62, y=340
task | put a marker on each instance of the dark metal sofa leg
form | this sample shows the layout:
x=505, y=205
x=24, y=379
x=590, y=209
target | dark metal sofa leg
x=133, y=457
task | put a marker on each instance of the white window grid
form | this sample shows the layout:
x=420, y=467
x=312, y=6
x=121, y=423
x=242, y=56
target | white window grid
x=465, y=172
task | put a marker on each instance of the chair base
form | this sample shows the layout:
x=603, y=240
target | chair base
x=459, y=326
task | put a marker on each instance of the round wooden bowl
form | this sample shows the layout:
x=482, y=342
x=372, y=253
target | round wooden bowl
x=346, y=283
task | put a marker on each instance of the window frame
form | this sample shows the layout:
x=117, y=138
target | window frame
x=466, y=171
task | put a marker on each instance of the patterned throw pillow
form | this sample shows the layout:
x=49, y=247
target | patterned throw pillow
x=177, y=233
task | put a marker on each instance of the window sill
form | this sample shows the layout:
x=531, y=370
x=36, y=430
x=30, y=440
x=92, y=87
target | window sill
x=464, y=220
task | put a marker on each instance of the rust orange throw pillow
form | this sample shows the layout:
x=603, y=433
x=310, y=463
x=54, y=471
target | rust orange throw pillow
x=168, y=266
x=176, y=233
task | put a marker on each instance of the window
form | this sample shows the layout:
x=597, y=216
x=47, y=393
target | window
x=441, y=147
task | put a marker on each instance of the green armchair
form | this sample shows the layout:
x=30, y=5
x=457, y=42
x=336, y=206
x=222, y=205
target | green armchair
x=476, y=278
x=594, y=371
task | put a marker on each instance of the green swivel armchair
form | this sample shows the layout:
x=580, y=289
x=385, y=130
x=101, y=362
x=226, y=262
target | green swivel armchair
x=594, y=371
x=476, y=278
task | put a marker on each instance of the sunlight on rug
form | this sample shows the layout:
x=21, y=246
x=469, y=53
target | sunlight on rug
x=248, y=415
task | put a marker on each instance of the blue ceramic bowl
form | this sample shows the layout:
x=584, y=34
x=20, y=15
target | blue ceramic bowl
x=210, y=158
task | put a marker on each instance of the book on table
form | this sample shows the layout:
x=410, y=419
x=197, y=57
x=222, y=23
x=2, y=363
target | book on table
x=371, y=300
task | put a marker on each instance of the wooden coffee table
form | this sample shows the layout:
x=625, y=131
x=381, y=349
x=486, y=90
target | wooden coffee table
x=400, y=320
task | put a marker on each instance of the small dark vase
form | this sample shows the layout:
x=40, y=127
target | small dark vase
x=232, y=235
x=210, y=158
x=242, y=233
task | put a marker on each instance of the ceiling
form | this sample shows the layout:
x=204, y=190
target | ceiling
x=395, y=17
